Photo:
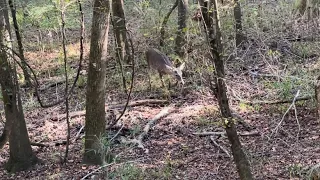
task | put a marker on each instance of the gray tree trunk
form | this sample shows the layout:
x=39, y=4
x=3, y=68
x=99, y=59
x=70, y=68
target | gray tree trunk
x=95, y=98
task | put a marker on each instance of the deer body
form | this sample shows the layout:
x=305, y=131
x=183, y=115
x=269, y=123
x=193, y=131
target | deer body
x=160, y=62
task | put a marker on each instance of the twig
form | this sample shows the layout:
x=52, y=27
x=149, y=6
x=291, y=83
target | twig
x=292, y=105
x=209, y=133
x=117, y=133
x=223, y=149
x=78, y=134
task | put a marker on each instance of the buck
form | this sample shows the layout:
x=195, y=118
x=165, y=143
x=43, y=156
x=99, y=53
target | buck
x=160, y=62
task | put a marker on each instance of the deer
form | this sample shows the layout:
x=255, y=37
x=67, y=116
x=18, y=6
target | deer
x=158, y=61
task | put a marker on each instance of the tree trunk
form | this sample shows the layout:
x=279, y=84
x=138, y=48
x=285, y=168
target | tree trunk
x=182, y=23
x=237, y=17
x=120, y=34
x=120, y=30
x=216, y=50
x=95, y=97
x=21, y=155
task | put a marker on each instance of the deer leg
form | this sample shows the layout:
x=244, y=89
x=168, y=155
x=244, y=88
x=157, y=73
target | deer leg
x=161, y=79
x=149, y=79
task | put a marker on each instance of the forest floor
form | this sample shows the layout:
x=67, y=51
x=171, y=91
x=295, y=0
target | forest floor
x=172, y=150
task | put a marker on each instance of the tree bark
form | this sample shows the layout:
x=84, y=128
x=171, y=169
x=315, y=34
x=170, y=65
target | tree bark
x=95, y=98
x=182, y=25
x=21, y=155
x=215, y=40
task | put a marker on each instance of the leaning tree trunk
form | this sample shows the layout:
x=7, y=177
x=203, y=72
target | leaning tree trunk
x=20, y=45
x=215, y=40
x=21, y=155
x=182, y=25
x=95, y=97
x=164, y=23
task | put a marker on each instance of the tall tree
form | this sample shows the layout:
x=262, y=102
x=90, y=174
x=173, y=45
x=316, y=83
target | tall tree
x=95, y=97
x=21, y=155
x=215, y=40
x=182, y=25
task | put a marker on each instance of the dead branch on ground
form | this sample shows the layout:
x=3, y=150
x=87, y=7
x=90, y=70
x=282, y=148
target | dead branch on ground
x=39, y=144
x=252, y=133
x=139, y=140
x=118, y=106
x=220, y=147
x=77, y=136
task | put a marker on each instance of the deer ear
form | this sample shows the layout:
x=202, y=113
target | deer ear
x=169, y=67
x=181, y=66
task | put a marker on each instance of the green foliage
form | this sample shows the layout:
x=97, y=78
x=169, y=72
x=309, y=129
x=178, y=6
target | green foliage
x=45, y=15
x=287, y=87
